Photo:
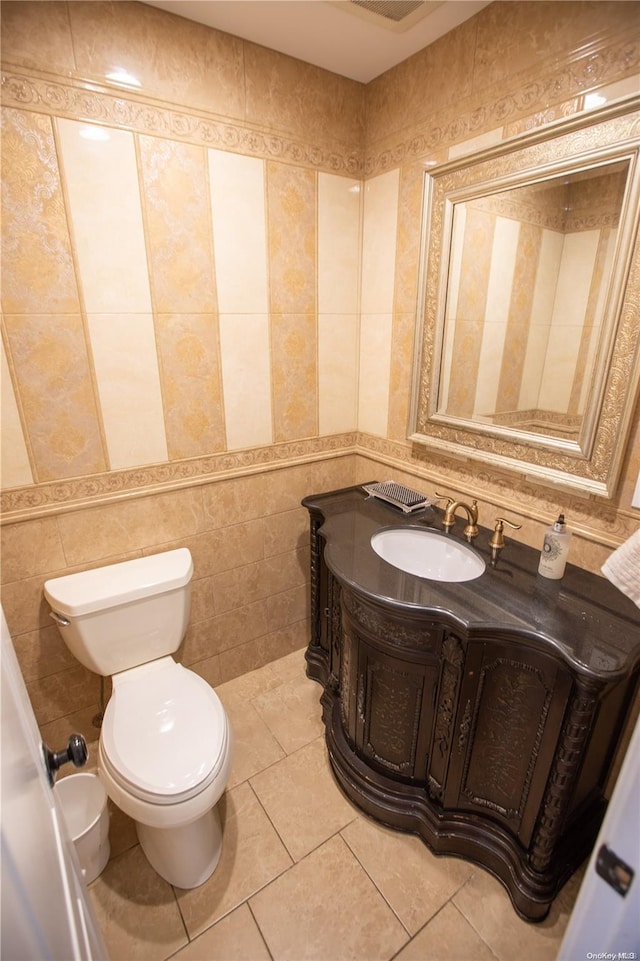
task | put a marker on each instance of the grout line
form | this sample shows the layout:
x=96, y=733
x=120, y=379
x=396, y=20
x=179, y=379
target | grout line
x=279, y=836
x=329, y=837
x=265, y=942
x=471, y=924
x=380, y=892
x=184, y=923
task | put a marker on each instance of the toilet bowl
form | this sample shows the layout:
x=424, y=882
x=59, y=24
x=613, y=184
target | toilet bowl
x=166, y=744
x=164, y=757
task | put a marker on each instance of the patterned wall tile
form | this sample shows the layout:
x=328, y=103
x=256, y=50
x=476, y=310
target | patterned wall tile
x=291, y=212
x=49, y=356
x=37, y=265
x=178, y=226
x=294, y=375
x=189, y=354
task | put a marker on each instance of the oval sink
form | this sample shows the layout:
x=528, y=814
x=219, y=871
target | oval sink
x=427, y=553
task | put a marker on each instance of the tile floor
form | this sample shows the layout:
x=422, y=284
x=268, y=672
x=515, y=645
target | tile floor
x=303, y=875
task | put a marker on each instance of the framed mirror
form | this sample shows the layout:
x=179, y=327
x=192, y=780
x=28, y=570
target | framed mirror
x=528, y=328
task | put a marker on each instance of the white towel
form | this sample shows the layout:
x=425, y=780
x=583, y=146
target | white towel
x=622, y=568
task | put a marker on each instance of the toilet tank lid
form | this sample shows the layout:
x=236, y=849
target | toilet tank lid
x=105, y=587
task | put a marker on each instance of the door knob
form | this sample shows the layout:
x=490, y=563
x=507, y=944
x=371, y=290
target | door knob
x=75, y=751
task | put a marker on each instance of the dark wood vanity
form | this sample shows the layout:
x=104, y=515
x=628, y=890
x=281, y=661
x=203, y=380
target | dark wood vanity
x=483, y=716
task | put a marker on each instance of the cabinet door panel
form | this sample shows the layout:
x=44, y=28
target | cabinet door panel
x=395, y=700
x=510, y=718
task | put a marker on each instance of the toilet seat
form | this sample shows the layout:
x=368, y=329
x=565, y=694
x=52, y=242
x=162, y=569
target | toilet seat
x=164, y=734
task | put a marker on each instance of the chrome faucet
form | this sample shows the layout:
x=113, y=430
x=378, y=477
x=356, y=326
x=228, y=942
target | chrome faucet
x=471, y=530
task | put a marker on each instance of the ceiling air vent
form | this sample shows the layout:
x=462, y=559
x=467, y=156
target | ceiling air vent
x=395, y=10
x=396, y=15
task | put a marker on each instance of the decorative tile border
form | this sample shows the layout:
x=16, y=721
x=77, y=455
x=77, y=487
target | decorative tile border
x=27, y=503
x=599, y=65
x=600, y=523
x=84, y=102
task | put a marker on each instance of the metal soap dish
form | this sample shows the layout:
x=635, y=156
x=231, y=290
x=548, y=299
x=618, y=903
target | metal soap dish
x=398, y=495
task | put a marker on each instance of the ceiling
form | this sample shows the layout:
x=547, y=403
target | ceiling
x=338, y=35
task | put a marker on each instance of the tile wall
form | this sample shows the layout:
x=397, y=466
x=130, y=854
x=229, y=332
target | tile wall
x=209, y=292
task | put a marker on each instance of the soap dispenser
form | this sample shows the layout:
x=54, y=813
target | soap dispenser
x=555, y=550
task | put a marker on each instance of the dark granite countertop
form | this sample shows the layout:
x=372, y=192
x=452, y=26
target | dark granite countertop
x=583, y=617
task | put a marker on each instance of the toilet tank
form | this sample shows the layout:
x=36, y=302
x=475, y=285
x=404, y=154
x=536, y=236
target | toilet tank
x=117, y=617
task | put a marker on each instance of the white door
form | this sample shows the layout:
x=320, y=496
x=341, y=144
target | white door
x=605, y=923
x=46, y=912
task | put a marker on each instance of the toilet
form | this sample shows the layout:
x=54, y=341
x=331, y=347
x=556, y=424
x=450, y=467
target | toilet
x=166, y=744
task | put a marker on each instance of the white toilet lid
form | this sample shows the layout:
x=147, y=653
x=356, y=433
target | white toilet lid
x=164, y=732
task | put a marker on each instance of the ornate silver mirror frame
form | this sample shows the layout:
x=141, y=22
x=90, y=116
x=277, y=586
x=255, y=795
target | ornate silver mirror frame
x=585, y=454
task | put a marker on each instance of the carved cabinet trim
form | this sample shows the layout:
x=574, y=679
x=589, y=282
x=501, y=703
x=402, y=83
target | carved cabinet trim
x=451, y=666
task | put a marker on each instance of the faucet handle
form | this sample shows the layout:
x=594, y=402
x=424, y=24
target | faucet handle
x=443, y=497
x=497, y=539
x=447, y=523
x=504, y=520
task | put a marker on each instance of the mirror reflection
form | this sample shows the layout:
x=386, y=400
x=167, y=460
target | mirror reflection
x=529, y=274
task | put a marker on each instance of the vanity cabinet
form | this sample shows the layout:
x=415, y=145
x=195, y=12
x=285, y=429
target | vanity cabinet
x=452, y=713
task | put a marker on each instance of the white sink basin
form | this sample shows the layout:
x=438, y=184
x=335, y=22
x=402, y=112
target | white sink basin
x=427, y=553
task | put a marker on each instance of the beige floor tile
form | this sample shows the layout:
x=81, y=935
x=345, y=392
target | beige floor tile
x=235, y=938
x=292, y=666
x=249, y=685
x=292, y=712
x=136, y=910
x=326, y=908
x=447, y=937
x=254, y=746
x=303, y=800
x=485, y=904
x=252, y=856
x=122, y=830
x=414, y=881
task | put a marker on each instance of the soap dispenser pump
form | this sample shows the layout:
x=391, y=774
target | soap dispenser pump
x=555, y=550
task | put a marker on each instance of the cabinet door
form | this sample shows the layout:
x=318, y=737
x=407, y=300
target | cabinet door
x=395, y=699
x=509, y=719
